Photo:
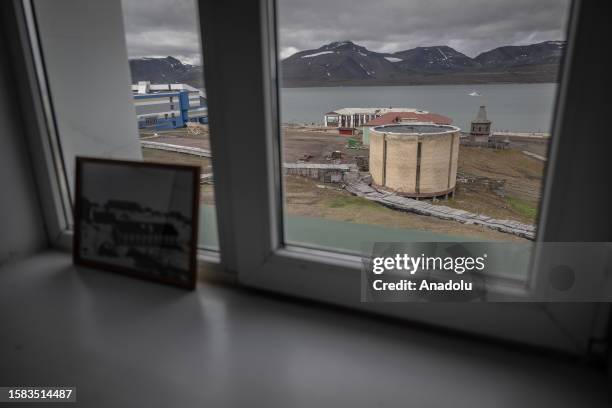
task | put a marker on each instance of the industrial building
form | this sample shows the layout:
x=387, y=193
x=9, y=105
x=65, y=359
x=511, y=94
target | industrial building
x=415, y=160
x=168, y=106
x=403, y=117
x=356, y=117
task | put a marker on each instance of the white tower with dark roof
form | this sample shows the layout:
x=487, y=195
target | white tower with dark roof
x=481, y=127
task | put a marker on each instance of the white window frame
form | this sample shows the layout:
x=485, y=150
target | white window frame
x=249, y=203
x=42, y=131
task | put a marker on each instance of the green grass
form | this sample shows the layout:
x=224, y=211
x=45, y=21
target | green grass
x=351, y=201
x=523, y=207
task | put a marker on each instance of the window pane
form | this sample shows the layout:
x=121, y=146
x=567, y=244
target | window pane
x=79, y=48
x=87, y=102
x=169, y=96
x=416, y=121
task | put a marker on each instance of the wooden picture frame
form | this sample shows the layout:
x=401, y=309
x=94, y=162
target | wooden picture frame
x=137, y=218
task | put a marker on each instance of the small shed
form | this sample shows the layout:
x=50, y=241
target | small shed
x=346, y=131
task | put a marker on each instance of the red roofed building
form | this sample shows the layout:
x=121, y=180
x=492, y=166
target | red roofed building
x=397, y=117
x=403, y=117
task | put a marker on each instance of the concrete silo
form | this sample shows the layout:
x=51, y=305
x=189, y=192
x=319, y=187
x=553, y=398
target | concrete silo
x=415, y=160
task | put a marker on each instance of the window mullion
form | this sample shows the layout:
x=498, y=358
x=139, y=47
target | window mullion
x=235, y=64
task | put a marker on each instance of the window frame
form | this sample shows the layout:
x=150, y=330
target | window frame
x=249, y=203
x=42, y=133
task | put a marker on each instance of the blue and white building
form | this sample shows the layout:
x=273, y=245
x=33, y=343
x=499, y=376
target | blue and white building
x=168, y=106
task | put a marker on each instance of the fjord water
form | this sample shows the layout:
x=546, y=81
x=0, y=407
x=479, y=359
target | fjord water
x=511, y=107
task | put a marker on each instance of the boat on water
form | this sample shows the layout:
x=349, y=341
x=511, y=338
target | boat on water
x=474, y=93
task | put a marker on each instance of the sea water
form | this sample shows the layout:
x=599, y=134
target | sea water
x=510, y=107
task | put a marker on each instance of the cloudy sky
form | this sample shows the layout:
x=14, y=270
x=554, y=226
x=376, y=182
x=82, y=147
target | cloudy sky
x=159, y=28
x=162, y=28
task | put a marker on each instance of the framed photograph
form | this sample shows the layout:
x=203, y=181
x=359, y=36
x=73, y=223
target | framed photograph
x=137, y=218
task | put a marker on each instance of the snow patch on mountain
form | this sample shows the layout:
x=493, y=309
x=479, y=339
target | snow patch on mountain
x=317, y=54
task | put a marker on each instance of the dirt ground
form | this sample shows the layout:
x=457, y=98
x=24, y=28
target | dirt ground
x=503, y=184
x=306, y=197
x=520, y=175
x=301, y=141
x=532, y=145
x=297, y=141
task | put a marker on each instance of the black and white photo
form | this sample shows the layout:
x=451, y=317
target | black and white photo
x=137, y=218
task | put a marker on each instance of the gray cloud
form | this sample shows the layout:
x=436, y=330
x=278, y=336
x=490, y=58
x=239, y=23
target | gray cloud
x=470, y=26
x=160, y=28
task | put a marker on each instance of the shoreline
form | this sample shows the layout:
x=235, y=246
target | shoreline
x=366, y=84
x=320, y=127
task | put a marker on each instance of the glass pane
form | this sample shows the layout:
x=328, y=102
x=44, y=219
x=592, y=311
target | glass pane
x=86, y=100
x=163, y=42
x=416, y=121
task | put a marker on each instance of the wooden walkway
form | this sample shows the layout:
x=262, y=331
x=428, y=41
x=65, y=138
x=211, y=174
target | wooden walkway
x=422, y=207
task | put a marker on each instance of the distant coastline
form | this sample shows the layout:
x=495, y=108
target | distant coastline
x=550, y=74
x=357, y=84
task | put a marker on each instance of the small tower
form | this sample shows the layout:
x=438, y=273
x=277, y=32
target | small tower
x=481, y=127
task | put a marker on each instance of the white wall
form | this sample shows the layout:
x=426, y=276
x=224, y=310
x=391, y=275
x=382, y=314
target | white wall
x=83, y=45
x=21, y=225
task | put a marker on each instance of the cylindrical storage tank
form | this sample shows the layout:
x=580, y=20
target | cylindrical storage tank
x=414, y=160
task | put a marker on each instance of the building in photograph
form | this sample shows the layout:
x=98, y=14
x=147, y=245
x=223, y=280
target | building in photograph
x=389, y=118
x=480, y=129
x=414, y=160
x=144, y=234
x=168, y=106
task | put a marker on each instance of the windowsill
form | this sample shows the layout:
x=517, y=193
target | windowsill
x=171, y=346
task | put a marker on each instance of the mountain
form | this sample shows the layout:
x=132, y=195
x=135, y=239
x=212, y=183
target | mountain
x=549, y=52
x=166, y=70
x=337, y=61
x=433, y=59
x=346, y=63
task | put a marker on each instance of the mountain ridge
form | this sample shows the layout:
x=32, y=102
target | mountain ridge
x=166, y=70
x=349, y=64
